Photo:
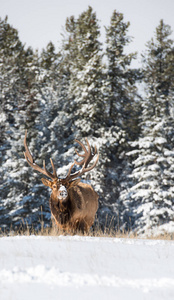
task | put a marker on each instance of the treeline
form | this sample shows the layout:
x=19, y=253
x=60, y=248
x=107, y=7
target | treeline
x=85, y=91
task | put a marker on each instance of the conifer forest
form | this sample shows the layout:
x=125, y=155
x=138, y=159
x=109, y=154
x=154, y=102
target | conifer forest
x=89, y=89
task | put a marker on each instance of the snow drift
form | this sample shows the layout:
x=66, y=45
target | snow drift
x=74, y=267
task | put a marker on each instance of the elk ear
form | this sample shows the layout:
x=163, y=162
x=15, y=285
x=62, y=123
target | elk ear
x=74, y=182
x=47, y=182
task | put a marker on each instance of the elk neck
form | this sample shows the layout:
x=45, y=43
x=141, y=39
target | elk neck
x=60, y=209
x=62, y=204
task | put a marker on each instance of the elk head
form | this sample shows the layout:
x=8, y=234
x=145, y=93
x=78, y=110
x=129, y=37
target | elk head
x=61, y=187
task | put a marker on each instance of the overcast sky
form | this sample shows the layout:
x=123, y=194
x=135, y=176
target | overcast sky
x=41, y=21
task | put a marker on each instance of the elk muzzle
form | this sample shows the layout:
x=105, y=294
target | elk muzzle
x=62, y=193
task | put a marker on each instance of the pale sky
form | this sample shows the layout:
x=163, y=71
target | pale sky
x=41, y=21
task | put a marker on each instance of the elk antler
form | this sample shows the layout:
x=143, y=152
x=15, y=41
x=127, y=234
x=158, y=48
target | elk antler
x=31, y=162
x=87, y=157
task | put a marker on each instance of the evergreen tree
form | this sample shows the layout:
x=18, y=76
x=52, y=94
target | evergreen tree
x=121, y=111
x=149, y=202
x=120, y=88
x=86, y=75
x=158, y=63
x=19, y=108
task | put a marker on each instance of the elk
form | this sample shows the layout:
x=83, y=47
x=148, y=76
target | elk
x=73, y=204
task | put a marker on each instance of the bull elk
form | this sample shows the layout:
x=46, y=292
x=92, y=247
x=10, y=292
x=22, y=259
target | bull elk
x=73, y=204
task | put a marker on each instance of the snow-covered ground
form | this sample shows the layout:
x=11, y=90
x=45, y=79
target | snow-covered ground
x=76, y=267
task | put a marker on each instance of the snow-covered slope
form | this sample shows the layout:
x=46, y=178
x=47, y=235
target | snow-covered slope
x=85, y=268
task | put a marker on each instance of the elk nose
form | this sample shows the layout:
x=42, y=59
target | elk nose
x=62, y=192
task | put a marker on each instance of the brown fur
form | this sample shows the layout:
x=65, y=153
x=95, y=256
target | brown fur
x=78, y=211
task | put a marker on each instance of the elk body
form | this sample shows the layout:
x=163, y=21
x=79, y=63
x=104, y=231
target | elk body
x=73, y=204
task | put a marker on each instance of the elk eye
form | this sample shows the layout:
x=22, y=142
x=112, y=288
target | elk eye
x=54, y=186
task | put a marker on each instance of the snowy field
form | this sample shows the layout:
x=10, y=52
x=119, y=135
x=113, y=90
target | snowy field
x=85, y=268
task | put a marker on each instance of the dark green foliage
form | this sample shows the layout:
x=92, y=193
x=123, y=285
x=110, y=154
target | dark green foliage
x=83, y=61
x=120, y=83
x=151, y=194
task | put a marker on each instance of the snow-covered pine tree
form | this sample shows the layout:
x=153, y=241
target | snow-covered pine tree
x=10, y=53
x=19, y=109
x=86, y=75
x=149, y=202
x=122, y=108
x=120, y=83
x=158, y=62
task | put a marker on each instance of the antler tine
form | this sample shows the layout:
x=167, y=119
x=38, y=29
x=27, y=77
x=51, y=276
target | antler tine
x=47, y=173
x=31, y=162
x=27, y=153
x=88, y=156
x=81, y=155
x=80, y=163
x=69, y=172
x=53, y=167
x=94, y=164
x=83, y=146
